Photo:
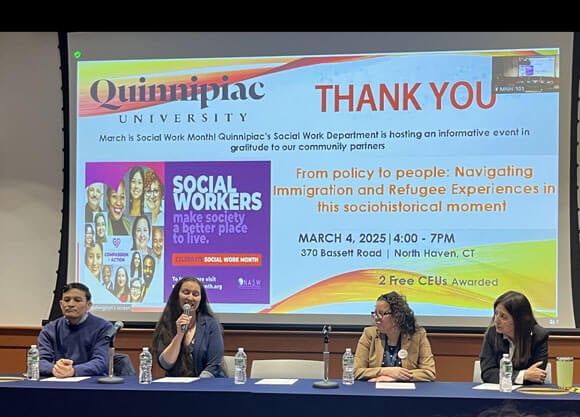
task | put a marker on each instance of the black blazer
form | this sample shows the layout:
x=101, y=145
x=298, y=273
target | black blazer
x=490, y=357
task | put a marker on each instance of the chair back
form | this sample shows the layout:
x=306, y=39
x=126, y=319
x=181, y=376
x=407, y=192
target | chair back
x=228, y=366
x=287, y=368
x=477, y=372
x=122, y=365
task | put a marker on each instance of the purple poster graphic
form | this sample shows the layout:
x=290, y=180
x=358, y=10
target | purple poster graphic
x=124, y=216
x=217, y=228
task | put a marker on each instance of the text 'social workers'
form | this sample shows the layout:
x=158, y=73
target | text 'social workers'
x=209, y=192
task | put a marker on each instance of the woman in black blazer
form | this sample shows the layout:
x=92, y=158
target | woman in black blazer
x=514, y=330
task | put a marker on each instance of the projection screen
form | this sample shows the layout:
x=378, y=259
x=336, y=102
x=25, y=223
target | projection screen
x=301, y=175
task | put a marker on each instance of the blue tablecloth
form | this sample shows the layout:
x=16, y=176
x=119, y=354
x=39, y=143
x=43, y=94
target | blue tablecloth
x=221, y=397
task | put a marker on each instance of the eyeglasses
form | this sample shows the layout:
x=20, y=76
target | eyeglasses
x=379, y=315
x=154, y=192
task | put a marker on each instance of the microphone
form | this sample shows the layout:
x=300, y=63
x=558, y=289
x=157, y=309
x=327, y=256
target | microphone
x=186, y=310
x=112, y=379
x=325, y=383
x=114, y=330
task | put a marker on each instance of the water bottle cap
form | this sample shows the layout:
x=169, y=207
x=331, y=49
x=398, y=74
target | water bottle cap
x=32, y=346
x=348, y=350
x=145, y=349
x=240, y=349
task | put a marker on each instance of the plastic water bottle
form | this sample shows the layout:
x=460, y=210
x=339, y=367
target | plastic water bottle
x=145, y=364
x=505, y=373
x=240, y=364
x=33, y=363
x=348, y=367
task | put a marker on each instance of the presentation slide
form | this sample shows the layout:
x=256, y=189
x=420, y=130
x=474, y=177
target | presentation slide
x=300, y=187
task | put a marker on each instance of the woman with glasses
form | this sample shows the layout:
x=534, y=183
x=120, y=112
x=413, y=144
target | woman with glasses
x=135, y=291
x=154, y=194
x=396, y=348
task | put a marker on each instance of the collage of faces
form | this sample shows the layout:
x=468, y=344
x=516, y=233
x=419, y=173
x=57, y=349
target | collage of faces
x=123, y=234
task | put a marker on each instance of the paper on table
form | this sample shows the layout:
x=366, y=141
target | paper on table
x=395, y=385
x=276, y=381
x=68, y=379
x=492, y=387
x=181, y=379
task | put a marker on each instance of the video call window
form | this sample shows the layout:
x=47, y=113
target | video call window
x=525, y=74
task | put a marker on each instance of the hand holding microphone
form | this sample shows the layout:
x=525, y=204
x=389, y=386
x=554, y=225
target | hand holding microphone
x=187, y=312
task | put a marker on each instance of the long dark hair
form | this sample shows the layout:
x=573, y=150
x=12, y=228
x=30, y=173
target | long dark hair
x=166, y=328
x=132, y=173
x=116, y=288
x=519, y=307
x=138, y=270
x=402, y=314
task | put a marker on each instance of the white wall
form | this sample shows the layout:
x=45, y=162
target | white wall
x=31, y=174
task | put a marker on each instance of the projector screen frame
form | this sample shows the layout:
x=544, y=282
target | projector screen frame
x=232, y=323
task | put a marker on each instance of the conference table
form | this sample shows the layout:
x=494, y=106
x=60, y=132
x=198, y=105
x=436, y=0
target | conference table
x=218, y=397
